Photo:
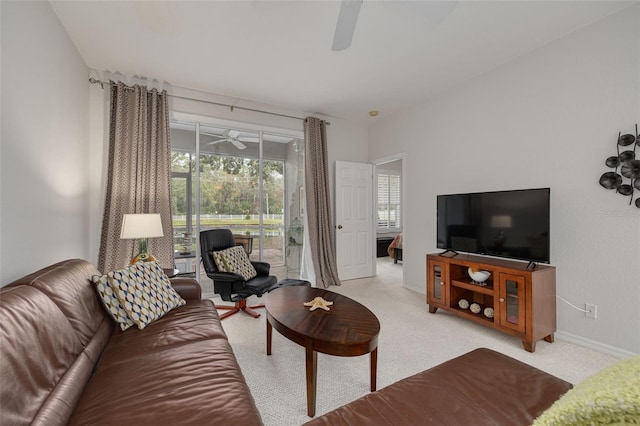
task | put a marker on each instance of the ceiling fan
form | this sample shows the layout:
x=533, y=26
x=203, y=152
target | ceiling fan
x=232, y=136
x=346, y=25
x=435, y=11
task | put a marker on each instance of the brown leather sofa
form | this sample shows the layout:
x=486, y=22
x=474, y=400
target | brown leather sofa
x=62, y=361
x=482, y=387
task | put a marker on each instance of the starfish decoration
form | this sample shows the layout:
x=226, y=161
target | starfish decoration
x=318, y=302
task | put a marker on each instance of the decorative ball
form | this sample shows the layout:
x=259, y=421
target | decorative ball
x=475, y=308
x=488, y=312
x=477, y=275
x=463, y=303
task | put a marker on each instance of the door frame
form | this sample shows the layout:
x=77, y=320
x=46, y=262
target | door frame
x=403, y=189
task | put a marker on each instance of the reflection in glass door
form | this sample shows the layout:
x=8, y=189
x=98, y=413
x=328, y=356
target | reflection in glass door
x=512, y=299
x=247, y=181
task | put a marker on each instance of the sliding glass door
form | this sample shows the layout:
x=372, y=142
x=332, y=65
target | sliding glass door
x=246, y=180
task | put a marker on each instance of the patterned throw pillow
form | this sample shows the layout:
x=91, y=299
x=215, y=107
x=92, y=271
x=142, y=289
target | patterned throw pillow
x=235, y=260
x=111, y=302
x=217, y=258
x=145, y=292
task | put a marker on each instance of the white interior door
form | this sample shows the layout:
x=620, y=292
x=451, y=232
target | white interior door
x=354, y=220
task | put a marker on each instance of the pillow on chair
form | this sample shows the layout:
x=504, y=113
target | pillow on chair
x=235, y=260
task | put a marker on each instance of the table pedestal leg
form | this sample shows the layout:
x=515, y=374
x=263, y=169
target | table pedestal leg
x=312, y=373
x=374, y=368
x=269, y=334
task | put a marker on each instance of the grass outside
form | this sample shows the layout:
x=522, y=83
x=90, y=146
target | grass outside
x=237, y=226
x=207, y=222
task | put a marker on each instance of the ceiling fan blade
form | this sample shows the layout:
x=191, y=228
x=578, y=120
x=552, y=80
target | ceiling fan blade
x=237, y=143
x=213, y=135
x=218, y=141
x=346, y=25
x=248, y=139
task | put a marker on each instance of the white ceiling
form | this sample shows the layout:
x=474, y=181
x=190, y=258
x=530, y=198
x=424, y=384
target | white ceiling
x=279, y=52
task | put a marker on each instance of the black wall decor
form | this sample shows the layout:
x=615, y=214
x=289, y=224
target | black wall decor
x=629, y=167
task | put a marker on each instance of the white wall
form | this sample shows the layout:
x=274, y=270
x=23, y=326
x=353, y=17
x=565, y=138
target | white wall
x=44, y=171
x=549, y=118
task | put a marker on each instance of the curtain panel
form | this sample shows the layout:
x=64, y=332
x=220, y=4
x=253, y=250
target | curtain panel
x=138, y=174
x=319, y=219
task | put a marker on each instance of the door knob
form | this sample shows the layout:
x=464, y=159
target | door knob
x=339, y=226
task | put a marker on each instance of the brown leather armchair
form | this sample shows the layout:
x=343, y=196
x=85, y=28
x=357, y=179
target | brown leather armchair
x=233, y=287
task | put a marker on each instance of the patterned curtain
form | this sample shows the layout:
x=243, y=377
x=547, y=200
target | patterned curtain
x=139, y=173
x=319, y=220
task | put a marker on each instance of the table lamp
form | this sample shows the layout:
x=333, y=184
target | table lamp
x=503, y=222
x=141, y=227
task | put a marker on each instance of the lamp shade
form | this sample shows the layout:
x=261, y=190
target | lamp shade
x=148, y=225
x=501, y=221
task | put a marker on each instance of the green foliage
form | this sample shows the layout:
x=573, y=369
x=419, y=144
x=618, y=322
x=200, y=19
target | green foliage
x=229, y=185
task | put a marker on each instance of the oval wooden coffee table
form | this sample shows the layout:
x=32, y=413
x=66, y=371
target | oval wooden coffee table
x=347, y=329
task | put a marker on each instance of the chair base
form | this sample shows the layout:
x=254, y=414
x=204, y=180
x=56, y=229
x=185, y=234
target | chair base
x=240, y=305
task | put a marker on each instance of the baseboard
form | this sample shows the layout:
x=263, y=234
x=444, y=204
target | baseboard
x=596, y=346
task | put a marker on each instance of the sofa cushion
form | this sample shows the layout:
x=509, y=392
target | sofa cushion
x=111, y=302
x=38, y=346
x=482, y=387
x=195, y=321
x=145, y=292
x=194, y=383
x=234, y=259
x=611, y=396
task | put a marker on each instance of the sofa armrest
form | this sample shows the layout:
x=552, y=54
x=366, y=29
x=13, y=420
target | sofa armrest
x=187, y=288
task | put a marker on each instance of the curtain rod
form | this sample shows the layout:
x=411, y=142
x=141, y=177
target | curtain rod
x=232, y=107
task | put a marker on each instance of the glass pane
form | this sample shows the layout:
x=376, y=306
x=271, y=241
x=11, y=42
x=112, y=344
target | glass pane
x=183, y=142
x=513, y=316
x=249, y=183
x=230, y=184
x=437, y=279
x=294, y=206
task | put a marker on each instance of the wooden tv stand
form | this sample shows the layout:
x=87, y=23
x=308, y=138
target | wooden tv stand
x=523, y=301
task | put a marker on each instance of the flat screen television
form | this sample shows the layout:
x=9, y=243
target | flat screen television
x=513, y=224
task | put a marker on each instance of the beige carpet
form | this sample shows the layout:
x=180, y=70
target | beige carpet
x=411, y=340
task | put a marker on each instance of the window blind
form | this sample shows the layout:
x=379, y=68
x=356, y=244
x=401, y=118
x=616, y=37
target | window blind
x=388, y=200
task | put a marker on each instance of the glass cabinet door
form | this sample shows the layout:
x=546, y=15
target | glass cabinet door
x=512, y=302
x=436, y=293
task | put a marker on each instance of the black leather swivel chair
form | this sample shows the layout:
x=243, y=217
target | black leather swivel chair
x=232, y=287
